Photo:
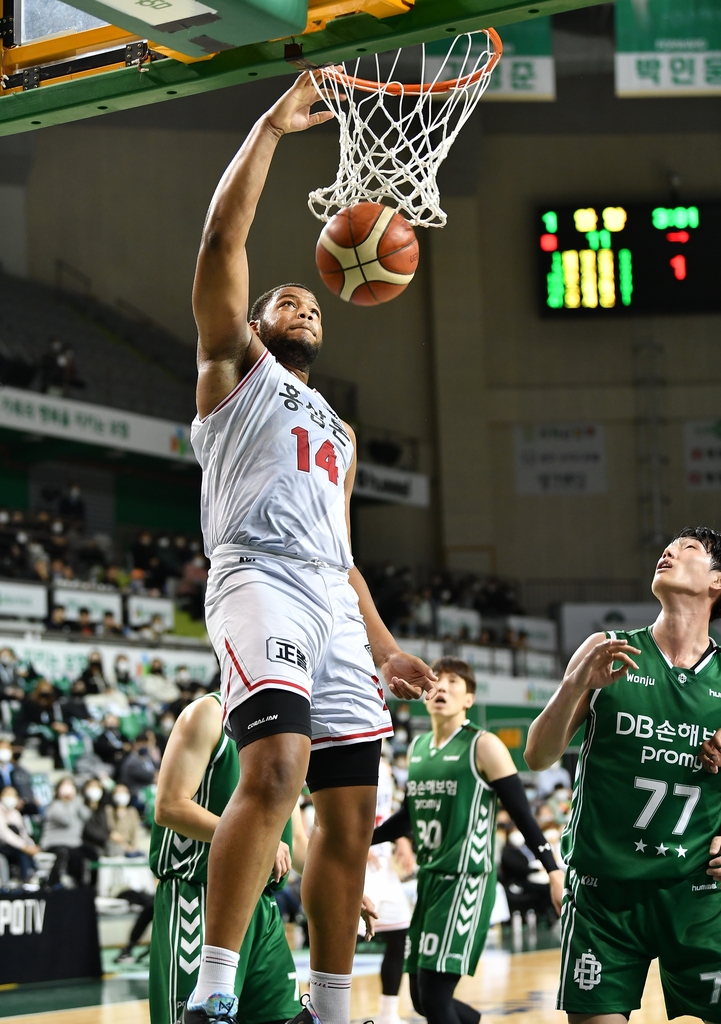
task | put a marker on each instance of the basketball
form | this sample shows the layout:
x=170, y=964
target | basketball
x=367, y=254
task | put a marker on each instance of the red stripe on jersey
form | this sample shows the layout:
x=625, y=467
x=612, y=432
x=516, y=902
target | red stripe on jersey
x=237, y=387
x=354, y=736
x=251, y=687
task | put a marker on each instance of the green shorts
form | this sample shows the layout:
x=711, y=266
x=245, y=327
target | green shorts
x=450, y=922
x=611, y=931
x=266, y=979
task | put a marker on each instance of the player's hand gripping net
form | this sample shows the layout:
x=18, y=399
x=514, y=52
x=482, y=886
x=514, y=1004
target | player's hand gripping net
x=395, y=136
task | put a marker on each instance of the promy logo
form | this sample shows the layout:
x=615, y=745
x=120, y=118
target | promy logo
x=22, y=917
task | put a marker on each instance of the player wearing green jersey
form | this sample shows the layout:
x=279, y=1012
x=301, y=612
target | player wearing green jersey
x=456, y=773
x=644, y=813
x=198, y=775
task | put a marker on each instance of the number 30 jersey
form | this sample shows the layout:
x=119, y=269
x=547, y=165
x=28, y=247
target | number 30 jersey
x=643, y=807
x=274, y=457
x=452, y=808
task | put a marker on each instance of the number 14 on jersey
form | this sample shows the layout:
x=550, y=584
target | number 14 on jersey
x=325, y=457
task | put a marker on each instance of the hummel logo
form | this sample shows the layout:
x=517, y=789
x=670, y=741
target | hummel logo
x=714, y=693
x=456, y=757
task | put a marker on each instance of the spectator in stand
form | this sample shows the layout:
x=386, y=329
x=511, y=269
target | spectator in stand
x=151, y=742
x=109, y=627
x=96, y=832
x=123, y=823
x=156, y=687
x=13, y=774
x=402, y=726
x=57, y=623
x=58, y=546
x=111, y=746
x=72, y=505
x=85, y=623
x=41, y=716
x=116, y=577
x=73, y=706
x=143, y=551
x=124, y=679
x=62, y=834
x=16, y=844
x=165, y=727
x=138, y=768
x=93, y=674
x=181, y=550
x=191, y=587
x=53, y=368
x=11, y=687
x=423, y=616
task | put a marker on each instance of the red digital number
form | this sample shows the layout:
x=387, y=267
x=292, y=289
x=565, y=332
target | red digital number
x=303, y=439
x=325, y=456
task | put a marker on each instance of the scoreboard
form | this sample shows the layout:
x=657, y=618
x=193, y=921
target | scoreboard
x=602, y=260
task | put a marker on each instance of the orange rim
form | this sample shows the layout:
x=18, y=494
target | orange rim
x=435, y=88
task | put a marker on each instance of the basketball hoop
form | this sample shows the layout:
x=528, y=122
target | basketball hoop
x=391, y=154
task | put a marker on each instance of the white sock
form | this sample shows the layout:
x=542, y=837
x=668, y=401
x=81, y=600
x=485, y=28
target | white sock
x=217, y=974
x=388, y=1009
x=330, y=997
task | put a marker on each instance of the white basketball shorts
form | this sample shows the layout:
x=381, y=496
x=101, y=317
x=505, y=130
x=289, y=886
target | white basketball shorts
x=292, y=625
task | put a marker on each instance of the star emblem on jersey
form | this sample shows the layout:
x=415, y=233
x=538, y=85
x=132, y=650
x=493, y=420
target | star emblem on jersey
x=190, y=923
x=468, y=904
x=661, y=850
x=680, y=852
x=641, y=846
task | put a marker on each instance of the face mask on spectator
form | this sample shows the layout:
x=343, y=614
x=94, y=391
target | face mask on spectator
x=552, y=835
x=4, y=517
x=516, y=839
x=93, y=793
x=182, y=675
x=121, y=799
x=5, y=755
x=67, y=792
x=143, y=751
x=10, y=802
x=166, y=725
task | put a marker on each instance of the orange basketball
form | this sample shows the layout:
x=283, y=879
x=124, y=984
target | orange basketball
x=367, y=254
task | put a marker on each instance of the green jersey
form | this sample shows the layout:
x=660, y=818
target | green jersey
x=643, y=807
x=175, y=856
x=452, y=809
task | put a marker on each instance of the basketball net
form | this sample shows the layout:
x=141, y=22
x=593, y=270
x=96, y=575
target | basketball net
x=395, y=136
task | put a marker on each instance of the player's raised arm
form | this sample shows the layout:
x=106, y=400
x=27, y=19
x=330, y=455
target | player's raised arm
x=407, y=676
x=494, y=760
x=590, y=668
x=185, y=761
x=227, y=348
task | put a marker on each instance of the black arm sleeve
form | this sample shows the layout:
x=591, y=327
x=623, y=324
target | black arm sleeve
x=399, y=824
x=513, y=797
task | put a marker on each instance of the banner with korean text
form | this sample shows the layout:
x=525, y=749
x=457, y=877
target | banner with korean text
x=668, y=48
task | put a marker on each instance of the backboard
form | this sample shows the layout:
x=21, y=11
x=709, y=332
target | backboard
x=88, y=64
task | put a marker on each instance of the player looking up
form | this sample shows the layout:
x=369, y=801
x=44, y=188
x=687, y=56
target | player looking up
x=456, y=772
x=198, y=776
x=643, y=813
x=289, y=616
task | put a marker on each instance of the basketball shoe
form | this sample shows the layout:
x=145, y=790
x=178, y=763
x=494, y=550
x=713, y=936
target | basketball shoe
x=308, y=1015
x=218, y=1009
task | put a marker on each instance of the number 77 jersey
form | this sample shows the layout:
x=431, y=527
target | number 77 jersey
x=643, y=807
x=274, y=457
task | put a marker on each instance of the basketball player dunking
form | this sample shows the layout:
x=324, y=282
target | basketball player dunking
x=291, y=619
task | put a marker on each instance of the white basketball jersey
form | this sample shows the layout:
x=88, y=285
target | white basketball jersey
x=274, y=457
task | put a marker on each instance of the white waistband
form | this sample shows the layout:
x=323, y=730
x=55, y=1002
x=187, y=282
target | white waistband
x=239, y=550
